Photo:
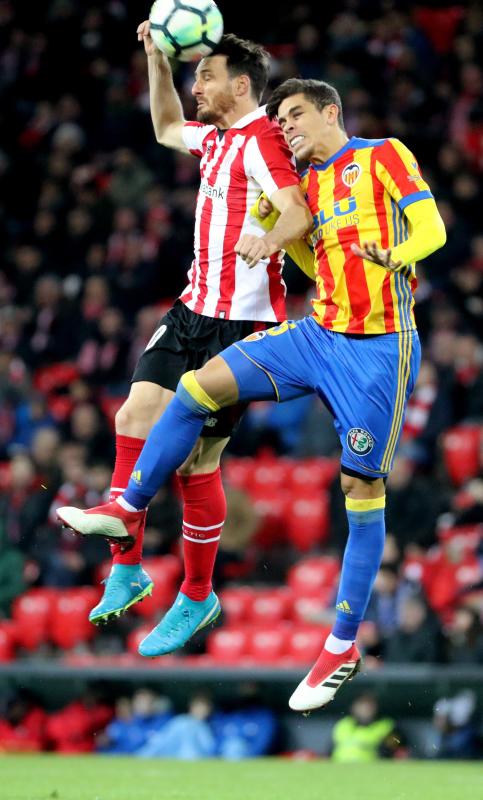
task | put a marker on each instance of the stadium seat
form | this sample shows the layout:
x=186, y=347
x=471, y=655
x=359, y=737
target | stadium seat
x=266, y=645
x=31, y=613
x=165, y=572
x=310, y=576
x=135, y=637
x=268, y=475
x=271, y=606
x=308, y=521
x=312, y=609
x=237, y=471
x=272, y=508
x=55, y=376
x=7, y=640
x=236, y=602
x=227, y=645
x=445, y=577
x=461, y=452
x=69, y=624
x=465, y=538
x=310, y=476
x=305, y=643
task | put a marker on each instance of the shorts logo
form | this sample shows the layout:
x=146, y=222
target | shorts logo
x=351, y=174
x=360, y=441
x=211, y=422
x=254, y=337
x=156, y=336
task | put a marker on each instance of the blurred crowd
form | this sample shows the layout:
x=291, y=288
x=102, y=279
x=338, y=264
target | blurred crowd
x=146, y=725
x=97, y=218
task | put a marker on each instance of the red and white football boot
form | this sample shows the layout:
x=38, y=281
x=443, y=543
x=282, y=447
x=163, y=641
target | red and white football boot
x=111, y=521
x=324, y=680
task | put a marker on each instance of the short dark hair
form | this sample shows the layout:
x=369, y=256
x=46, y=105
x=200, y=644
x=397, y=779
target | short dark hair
x=244, y=57
x=319, y=93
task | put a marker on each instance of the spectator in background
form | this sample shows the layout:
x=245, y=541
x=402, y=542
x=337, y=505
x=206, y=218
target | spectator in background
x=387, y=598
x=417, y=639
x=464, y=637
x=135, y=722
x=12, y=583
x=186, y=736
x=363, y=736
x=22, y=723
x=456, y=728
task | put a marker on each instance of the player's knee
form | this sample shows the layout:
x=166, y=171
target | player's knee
x=360, y=488
x=136, y=417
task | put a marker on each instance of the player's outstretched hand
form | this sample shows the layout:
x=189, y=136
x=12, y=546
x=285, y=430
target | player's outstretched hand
x=253, y=248
x=372, y=252
x=144, y=36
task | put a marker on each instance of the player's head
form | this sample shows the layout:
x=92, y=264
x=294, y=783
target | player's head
x=236, y=72
x=309, y=112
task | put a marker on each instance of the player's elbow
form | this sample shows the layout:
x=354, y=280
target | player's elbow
x=306, y=220
x=438, y=237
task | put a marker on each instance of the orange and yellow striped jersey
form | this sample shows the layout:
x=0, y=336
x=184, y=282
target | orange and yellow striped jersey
x=359, y=195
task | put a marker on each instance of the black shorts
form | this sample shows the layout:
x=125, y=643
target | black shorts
x=184, y=341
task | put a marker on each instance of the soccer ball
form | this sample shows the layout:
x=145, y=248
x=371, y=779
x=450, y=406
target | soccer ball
x=186, y=29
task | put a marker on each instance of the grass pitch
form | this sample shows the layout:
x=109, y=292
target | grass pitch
x=51, y=777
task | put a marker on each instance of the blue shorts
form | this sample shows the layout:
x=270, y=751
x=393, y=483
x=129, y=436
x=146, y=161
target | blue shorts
x=365, y=382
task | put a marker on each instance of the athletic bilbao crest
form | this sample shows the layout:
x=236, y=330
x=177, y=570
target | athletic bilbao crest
x=351, y=174
x=360, y=441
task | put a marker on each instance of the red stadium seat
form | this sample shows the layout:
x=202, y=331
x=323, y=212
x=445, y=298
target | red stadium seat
x=444, y=578
x=69, y=624
x=270, y=606
x=308, y=521
x=55, y=376
x=311, y=609
x=165, y=572
x=236, y=603
x=32, y=612
x=60, y=406
x=461, y=452
x=306, y=642
x=237, y=471
x=310, y=576
x=266, y=645
x=136, y=636
x=227, y=645
x=272, y=509
x=310, y=476
x=465, y=538
x=268, y=475
x=7, y=640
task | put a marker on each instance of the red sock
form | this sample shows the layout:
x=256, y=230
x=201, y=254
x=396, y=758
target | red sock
x=203, y=518
x=128, y=449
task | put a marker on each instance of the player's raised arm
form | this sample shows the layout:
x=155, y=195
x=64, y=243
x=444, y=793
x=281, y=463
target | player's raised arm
x=166, y=109
x=399, y=172
x=427, y=234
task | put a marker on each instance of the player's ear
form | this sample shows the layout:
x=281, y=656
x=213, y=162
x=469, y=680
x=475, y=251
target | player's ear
x=332, y=113
x=242, y=85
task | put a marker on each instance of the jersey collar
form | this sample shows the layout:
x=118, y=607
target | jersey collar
x=338, y=154
x=251, y=117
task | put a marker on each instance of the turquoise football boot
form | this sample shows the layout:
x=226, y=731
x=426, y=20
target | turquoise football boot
x=183, y=619
x=125, y=586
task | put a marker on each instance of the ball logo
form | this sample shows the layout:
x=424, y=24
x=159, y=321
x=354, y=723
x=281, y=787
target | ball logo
x=360, y=441
x=351, y=174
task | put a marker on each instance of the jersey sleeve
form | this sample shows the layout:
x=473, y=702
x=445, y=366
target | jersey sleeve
x=269, y=161
x=399, y=172
x=194, y=135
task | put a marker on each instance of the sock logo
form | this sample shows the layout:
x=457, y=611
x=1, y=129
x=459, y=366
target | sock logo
x=344, y=606
x=136, y=476
x=360, y=441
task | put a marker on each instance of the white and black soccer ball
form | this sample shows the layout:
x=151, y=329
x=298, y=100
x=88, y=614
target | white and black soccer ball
x=185, y=29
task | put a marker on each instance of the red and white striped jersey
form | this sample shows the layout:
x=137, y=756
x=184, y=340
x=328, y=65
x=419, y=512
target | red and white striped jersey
x=236, y=165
